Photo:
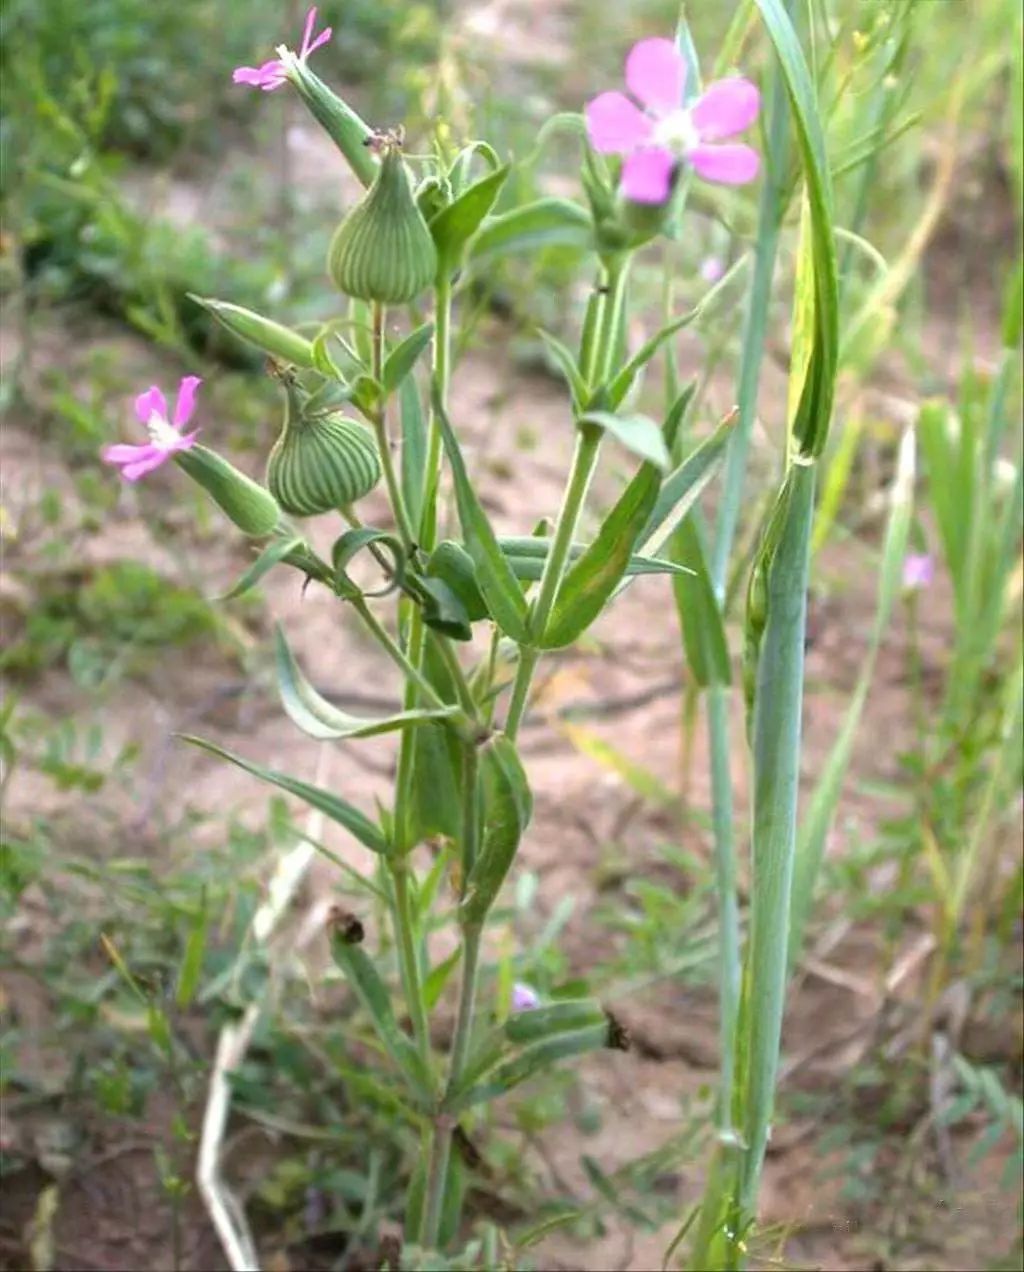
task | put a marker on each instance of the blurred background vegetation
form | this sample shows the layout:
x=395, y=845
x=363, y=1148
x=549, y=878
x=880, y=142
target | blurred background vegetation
x=132, y=172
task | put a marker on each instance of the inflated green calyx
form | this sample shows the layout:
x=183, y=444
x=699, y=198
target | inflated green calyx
x=321, y=461
x=383, y=251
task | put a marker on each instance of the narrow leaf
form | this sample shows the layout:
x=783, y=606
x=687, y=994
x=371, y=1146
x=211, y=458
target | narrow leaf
x=414, y=448
x=508, y=805
x=332, y=806
x=638, y=433
x=402, y=358
x=321, y=719
x=547, y=222
x=500, y=587
x=272, y=554
x=707, y=652
x=456, y=224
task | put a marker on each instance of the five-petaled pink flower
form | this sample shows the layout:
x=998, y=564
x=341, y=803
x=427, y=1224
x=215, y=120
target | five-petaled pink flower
x=165, y=436
x=653, y=140
x=273, y=74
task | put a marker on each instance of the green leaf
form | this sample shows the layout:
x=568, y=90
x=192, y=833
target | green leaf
x=272, y=554
x=684, y=485
x=337, y=809
x=508, y=805
x=320, y=719
x=811, y=420
x=414, y=448
x=402, y=358
x=561, y=1017
x=372, y=993
x=532, y=1059
x=549, y=222
x=707, y=651
x=500, y=587
x=638, y=433
x=192, y=959
x=435, y=803
x=438, y=977
x=623, y=382
x=817, y=820
x=456, y=224
x=353, y=541
x=566, y=362
x=529, y=567
x=590, y=582
x=452, y=565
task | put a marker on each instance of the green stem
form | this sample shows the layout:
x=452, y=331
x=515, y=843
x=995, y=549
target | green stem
x=408, y=959
x=588, y=444
x=378, y=419
x=394, y=652
x=730, y=970
x=427, y=537
x=440, y=1149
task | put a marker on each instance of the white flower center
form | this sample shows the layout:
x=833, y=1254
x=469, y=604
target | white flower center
x=676, y=132
x=161, y=433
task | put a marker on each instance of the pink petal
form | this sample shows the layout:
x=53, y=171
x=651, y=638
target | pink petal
x=731, y=165
x=186, y=402
x=308, y=31
x=615, y=124
x=152, y=402
x=647, y=175
x=269, y=76
x=123, y=453
x=322, y=38
x=727, y=107
x=132, y=472
x=656, y=75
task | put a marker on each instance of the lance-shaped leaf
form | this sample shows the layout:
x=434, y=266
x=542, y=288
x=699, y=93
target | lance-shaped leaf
x=535, y=1058
x=638, y=433
x=501, y=588
x=414, y=448
x=402, y=358
x=455, y=225
x=273, y=338
x=684, y=485
x=275, y=551
x=549, y=222
x=372, y=993
x=321, y=719
x=528, y=554
x=566, y=362
x=707, y=651
x=354, y=541
x=508, y=805
x=356, y=823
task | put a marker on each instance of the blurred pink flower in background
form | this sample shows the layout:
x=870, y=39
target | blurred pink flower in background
x=918, y=571
x=165, y=436
x=272, y=74
x=654, y=139
x=524, y=998
x=711, y=269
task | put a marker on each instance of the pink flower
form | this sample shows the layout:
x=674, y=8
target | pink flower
x=165, y=437
x=918, y=571
x=654, y=139
x=524, y=998
x=273, y=74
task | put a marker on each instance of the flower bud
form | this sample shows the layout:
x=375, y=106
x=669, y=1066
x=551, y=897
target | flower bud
x=320, y=462
x=280, y=342
x=251, y=507
x=383, y=251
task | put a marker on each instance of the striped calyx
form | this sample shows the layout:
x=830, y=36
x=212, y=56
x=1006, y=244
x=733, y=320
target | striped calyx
x=321, y=462
x=383, y=251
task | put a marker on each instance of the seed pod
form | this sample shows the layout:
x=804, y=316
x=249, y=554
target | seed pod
x=251, y=507
x=320, y=462
x=383, y=250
